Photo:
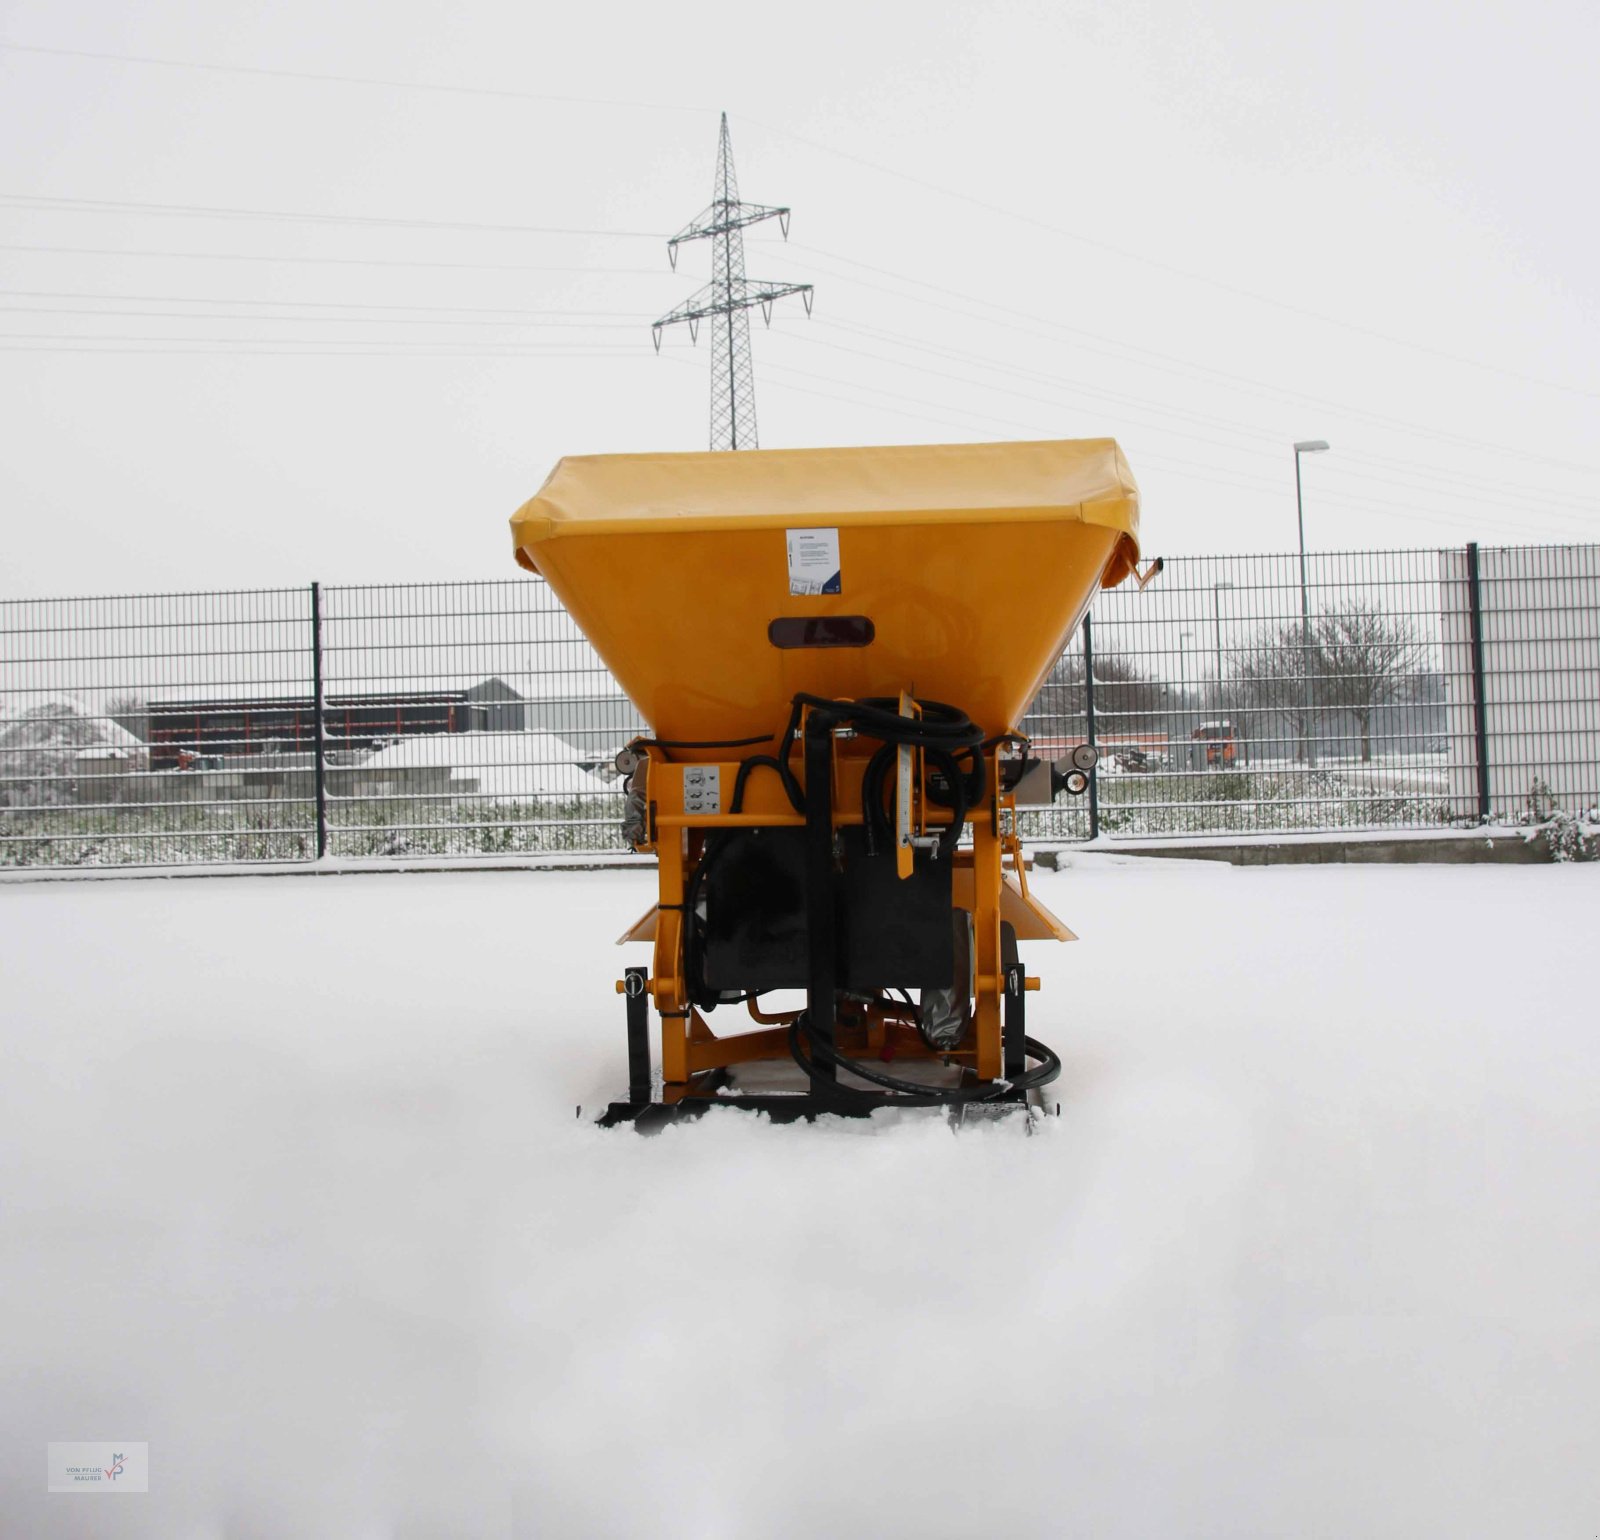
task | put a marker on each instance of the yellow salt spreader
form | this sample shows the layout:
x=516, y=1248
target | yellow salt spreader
x=834, y=649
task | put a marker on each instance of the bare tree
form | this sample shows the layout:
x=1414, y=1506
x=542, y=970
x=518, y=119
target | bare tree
x=1364, y=659
x=1273, y=676
x=1125, y=701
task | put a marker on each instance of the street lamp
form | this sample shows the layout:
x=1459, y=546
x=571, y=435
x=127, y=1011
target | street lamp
x=1216, y=631
x=1307, y=446
x=1183, y=677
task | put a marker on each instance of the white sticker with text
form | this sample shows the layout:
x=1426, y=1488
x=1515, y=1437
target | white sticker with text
x=814, y=561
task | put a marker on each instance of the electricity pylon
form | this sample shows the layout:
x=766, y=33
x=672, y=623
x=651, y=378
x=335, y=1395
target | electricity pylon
x=728, y=300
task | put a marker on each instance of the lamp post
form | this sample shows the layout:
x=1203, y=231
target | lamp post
x=1216, y=631
x=1308, y=446
x=1183, y=677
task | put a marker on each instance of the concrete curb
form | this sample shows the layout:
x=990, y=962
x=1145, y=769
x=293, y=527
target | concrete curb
x=1444, y=848
x=597, y=861
x=1468, y=848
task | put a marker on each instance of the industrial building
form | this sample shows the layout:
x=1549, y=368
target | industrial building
x=181, y=730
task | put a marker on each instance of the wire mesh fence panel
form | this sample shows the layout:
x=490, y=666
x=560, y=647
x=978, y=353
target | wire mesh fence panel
x=467, y=719
x=130, y=729
x=1360, y=690
x=1245, y=693
x=1538, y=629
x=1056, y=723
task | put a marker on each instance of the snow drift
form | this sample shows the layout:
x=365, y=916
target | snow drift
x=295, y=1192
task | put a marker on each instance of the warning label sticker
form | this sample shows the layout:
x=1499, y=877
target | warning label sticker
x=702, y=789
x=814, y=561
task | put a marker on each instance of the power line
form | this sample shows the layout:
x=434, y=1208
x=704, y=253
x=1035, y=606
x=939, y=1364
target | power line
x=1186, y=368
x=1447, y=479
x=231, y=256
x=211, y=211
x=893, y=339
x=1167, y=362
x=874, y=400
x=320, y=342
x=926, y=372
x=345, y=80
x=312, y=304
x=1047, y=226
x=1189, y=470
x=203, y=211
x=1173, y=270
x=320, y=348
x=1096, y=395
x=1184, y=470
x=319, y=320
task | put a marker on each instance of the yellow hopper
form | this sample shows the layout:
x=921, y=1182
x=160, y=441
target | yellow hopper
x=834, y=649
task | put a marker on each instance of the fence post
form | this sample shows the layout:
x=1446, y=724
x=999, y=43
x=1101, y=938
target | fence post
x=1480, y=709
x=1088, y=711
x=318, y=778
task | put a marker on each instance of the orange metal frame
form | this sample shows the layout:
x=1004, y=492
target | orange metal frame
x=677, y=838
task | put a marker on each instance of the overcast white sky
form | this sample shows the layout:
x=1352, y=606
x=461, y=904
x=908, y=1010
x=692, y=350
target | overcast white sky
x=1208, y=231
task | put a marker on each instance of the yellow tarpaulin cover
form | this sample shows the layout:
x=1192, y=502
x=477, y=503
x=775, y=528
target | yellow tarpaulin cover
x=708, y=583
x=903, y=484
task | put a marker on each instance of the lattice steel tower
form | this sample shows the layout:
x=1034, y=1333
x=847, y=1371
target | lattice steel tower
x=728, y=300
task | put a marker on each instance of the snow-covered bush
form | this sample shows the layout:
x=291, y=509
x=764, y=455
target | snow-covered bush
x=1566, y=837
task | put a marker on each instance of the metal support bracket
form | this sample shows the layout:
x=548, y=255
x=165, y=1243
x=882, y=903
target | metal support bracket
x=1016, y=1021
x=635, y=988
x=823, y=957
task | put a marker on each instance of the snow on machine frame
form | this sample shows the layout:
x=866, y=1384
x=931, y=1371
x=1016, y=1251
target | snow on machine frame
x=834, y=648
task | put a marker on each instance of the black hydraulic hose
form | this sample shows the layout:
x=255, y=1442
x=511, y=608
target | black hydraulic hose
x=959, y=801
x=972, y=782
x=964, y=790
x=703, y=743
x=880, y=831
x=940, y=727
x=766, y=762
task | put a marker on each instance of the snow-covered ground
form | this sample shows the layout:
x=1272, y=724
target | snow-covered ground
x=294, y=1191
x=1427, y=779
